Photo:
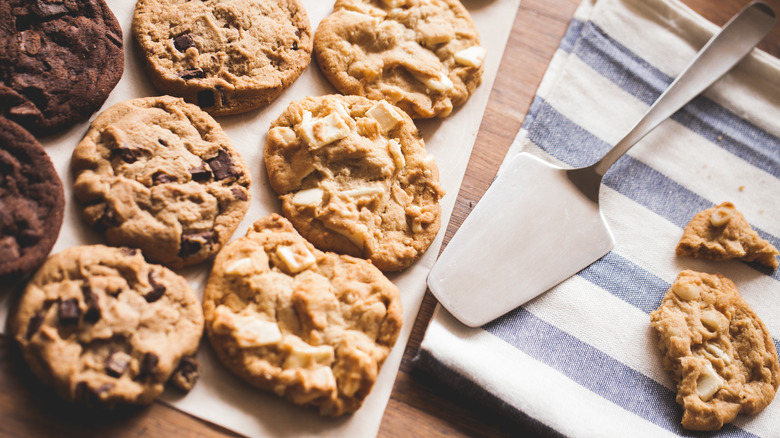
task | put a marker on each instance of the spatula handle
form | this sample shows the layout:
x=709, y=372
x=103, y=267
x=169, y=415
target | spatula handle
x=725, y=49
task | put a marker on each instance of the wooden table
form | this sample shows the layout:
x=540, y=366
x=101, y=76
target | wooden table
x=420, y=405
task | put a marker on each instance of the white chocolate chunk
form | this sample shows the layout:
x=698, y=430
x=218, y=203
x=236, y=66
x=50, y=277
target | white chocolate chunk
x=708, y=383
x=721, y=216
x=303, y=355
x=686, y=290
x=439, y=83
x=474, y=56
x=295, y=259
x=239, y=267
x=710, y=320
x=395, y=151
x=309, y=197
x=357, y=238
x=717, y=352
x=285, y=134
x=394, y=3
x=363, y=191
x=319, y=132
x=323, y=377
x=385, y=114
x=249, y=331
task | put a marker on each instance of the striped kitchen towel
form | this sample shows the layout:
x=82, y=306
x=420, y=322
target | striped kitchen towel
x=581, y=359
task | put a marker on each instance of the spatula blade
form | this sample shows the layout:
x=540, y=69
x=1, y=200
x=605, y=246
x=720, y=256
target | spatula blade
x=530, y=231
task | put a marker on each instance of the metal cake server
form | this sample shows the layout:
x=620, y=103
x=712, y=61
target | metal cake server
x=539, y=224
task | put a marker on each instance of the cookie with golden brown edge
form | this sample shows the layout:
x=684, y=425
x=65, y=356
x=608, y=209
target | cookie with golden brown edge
x=32, y=202
x=354, y=177
x=160, y=174
x=310, y=326
x=423, y=56
x=716, y=348
x=103, y=327
x=722, y=233
x=227, y=56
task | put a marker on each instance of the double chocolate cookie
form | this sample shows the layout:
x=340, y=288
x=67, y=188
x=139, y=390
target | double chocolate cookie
x=102, y=326
x=59, y=60
x=227, y=56
x=161, y=175
x=31, y=202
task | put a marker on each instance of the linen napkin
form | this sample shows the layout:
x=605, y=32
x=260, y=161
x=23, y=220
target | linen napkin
x=581, y=359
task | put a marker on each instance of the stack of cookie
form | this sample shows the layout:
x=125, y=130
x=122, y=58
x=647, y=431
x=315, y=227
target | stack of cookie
x=713, y=344
x=300, y=306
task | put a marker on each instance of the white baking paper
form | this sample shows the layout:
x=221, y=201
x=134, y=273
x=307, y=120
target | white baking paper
x=219, y=397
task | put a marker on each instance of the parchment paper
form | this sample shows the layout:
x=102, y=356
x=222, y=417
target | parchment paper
x=219, y=397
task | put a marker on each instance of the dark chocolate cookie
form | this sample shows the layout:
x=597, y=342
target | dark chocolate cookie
x=31, y=202
x=59, y=60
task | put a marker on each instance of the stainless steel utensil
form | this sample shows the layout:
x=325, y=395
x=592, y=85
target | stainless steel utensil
x=539, y=224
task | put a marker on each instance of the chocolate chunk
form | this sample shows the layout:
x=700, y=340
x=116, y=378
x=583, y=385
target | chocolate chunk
x=93, y=313
x=35, y=324
x=295, y=45
x=128, y=154
x=183, y=42
x=157, y=292
x=222, y=166
x=128, y=251
x=148, y=364
x=194, y=73
x=191, y=243
x=239, y=194
x=200, y=173
x=186, y=374
x=45, y=9
x=162, y=142
x=117, y=363
x=206, y=98
x=69, y=311
x=161, y=178
x=90, y=395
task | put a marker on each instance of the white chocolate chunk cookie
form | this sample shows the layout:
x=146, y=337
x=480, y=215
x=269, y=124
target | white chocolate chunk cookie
x=420, y=55
x=722, y=233
x=717, y=350
x=354, y=177
x=103, y=327
x=159, y=174
x=310, y=326
x=227, y=56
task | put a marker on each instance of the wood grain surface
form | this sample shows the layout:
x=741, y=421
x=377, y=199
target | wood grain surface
x=420, y=405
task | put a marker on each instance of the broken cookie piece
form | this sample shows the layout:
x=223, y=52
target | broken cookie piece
x=722, y=233
x=717, y=350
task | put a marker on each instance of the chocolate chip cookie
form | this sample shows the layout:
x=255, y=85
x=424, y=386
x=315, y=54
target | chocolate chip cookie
x=102, y=326
x=354, y=177
x=717, y=350
x=31, y=202
x=420, y=55
x=723, y=233
x=312, y=327
x=227, y=56
x=160, y=174
x=59, y=60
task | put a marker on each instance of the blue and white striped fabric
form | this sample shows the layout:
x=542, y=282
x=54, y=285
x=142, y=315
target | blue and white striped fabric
x=581, y=359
